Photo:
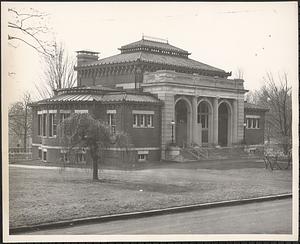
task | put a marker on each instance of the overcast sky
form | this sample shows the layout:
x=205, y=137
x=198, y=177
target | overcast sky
x=256, y=37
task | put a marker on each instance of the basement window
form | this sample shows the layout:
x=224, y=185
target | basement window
x=142, y=156
x=45, y=155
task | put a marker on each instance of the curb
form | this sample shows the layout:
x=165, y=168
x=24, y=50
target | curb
x=106, y=218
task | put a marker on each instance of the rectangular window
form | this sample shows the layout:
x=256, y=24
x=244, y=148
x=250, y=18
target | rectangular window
x=64, y=116
x=253, y=123
x=141, y=120
x=149, y=120
x=44, y=155
x=135, y=120
x=52, y=125
x=39, y=125
x=44, y=124
x=111, y=121
x=142, y=155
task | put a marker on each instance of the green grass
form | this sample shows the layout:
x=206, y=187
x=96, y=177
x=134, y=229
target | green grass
x=44, y=195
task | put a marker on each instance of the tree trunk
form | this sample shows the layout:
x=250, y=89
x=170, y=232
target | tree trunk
x=25, y=128
x=95, y=169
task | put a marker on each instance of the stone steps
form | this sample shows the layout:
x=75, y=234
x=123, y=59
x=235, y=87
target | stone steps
x=216, y=153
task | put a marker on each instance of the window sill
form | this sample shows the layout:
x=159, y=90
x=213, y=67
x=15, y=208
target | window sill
x=139, y=127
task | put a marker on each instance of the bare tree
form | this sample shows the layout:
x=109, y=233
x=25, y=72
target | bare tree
x=239, y=74
x=83, y=130
x=58, y=72
x=278, y=99
x=30, y=28
x=20, y=119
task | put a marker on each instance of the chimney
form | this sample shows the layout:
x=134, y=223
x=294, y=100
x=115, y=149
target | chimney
x=84, y=57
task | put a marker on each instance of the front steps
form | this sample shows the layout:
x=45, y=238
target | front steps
x=213, y=153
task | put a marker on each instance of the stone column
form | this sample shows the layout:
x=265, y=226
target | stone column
x=195, y=134
x=215, y=121
x=234, y=122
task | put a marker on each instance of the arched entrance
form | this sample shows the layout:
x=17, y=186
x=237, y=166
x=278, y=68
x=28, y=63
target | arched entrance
x=204, y=122
x=182, y=120
x=224, y=124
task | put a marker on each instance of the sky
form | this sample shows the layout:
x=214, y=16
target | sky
x=254, y=37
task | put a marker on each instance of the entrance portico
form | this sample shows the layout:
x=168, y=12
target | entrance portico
x=208, y=111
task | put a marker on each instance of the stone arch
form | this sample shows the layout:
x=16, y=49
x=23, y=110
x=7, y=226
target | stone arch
x=183, y=121
x=225, y=123
x=205, y=130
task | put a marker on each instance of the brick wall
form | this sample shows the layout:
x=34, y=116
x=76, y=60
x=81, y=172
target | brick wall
x=140, y=137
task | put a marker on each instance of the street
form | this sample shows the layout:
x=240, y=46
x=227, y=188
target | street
x=270, y=217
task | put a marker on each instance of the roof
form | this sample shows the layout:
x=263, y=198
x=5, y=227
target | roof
x=153, y=58
x=87, y=95
x=84, y=89
x=254, y=106
x=153, y=44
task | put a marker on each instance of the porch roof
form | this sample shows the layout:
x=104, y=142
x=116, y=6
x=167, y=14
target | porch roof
x=94, y=94
x=251, y=106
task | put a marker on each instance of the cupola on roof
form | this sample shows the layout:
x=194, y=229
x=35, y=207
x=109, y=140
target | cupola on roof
x=154, y=47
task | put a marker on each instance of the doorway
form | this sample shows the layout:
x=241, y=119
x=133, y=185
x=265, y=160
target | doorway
x=223, y=124
x=181, y=115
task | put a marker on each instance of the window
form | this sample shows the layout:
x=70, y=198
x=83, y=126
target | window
x=44, y=124
x=45, y=155
x=142, y=155
x=81, y=111
x=39, y=125
x=81, y=156
x=253, y=122
x=149, y=120
x=143, y=119
x=40, y=153
x=52, y=125
x=111, y=120
x=63, y=116
x=135, y=120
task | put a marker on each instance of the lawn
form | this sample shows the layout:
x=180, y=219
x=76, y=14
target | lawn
x=46, y=195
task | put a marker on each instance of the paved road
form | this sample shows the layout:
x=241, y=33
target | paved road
x=271, y=217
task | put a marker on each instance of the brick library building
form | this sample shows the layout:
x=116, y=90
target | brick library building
x=158, y=96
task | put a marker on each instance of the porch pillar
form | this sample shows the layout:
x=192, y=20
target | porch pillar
x=235, y=121
x=195, y=134
x=215, y=121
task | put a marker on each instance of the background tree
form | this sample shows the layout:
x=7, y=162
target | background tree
x=20, y=120
x=58, y=71
x=83, y=130
x=30, y=27
x=239, y=74
x=278, y=98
